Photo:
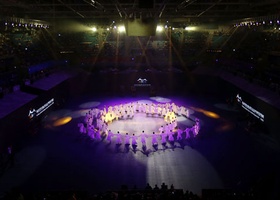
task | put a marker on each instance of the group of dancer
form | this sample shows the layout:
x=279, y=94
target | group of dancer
x=167, y=133
x=126, y=111
x=96, y=121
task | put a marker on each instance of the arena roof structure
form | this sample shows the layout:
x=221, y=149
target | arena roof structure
x=175, y=11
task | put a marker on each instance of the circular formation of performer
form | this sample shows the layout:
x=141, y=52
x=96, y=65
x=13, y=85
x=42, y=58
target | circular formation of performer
x=96, y=121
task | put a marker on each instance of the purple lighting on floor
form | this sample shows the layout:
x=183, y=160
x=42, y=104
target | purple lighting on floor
x=90, y=104
x=161, y=99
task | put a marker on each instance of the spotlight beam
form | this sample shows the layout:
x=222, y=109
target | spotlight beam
x=184, y=4
x=208, y=8
x=162, y=8
x=119, y=8
x=144, y=50
x=69, y=7
x=95, y=4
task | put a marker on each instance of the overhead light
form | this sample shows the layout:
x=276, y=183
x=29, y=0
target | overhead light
x=159, y=28
x=121, y=29
x=190, y=28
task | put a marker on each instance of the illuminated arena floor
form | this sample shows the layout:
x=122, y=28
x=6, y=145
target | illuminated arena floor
x=224, y=155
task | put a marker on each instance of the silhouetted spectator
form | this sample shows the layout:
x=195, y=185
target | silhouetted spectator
x=156, y=187
x=163, y=186
x=148, y=187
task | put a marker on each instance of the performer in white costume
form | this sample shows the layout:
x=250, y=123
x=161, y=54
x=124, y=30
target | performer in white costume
x=161, y=129
x=179, y=133
x=98, y=134
x=109, y=136
x=154, y=139
x=166, y=128
x=163, y=111
x=82, y=128
x=187, y=131
x=170, y=136
x=104, y=128
x=196, y=127
x=127, y=139
x=143, y=138
x=163, y=137
x=119, y=138
x=91, y=131
x=134, y=140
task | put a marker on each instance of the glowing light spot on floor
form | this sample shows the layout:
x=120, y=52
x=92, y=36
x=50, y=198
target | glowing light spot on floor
x=161, y=99
x=207, y=112
x=211, y=114
x=197, y=109
x=79, y=113
x=57, y=114
x=52, y=118
x=226, y=126
x=90, y=104
x=62, y=121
